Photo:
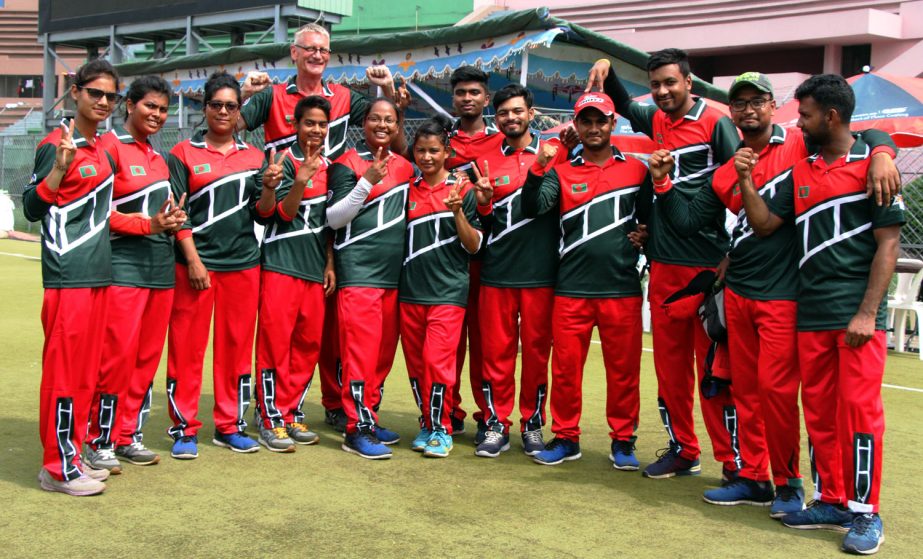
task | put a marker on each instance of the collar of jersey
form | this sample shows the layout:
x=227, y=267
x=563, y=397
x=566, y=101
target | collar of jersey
x=198, y=140
x=697, y=109
x=578, y=161
x=778, y=136
x=508, y=150
x=489, y=126
x=291, y=86
x=79, y=140
x=449, y=180
x=364, y=151
x=859, y=151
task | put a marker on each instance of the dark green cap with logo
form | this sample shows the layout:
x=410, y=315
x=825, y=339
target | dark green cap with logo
x=752, y=79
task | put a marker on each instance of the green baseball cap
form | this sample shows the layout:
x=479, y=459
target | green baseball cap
x=753, y=79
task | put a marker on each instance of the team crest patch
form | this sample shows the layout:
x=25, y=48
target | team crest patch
x=578, y=188
x=289, y=118
x=803, y=191
x=310, y=183
x=202, y=169
x=137, y=171
x=736, y=190
x=87, y=171
x=501, y=181
x=413, y=205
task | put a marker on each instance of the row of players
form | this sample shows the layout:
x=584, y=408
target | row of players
x=521, y=197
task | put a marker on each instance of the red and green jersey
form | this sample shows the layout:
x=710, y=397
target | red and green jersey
x=597, y=207
x=835, y=223
x=519, y=251
x=142, y=185
x=221, y=194
x=700, y=142
x=75, y=218
x=465, y=148
x=297, y=245
x=274, y=109
x=435, y=270
x=761, y=268
x=369, y=250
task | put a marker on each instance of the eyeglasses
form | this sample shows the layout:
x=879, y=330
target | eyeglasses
x=375, y=119
x=230, y=106
x=740, y=105
x=97, y=94
x=314, y=50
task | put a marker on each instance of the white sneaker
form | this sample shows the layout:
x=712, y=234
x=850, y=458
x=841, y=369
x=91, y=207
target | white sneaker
x=83, y=486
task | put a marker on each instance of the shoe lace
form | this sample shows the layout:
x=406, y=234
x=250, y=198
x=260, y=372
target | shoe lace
x=300, y=427
x=624, y=447
x=862, y=523
x=280, y=432
x=786, y=493
x=105, y=453
x=555, y=443
x=138, y=446
x=533, y=437
x=369, y=435
x=493, y=437
x=188, y=439
x=667, y=453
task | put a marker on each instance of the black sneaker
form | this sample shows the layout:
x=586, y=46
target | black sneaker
x=482, y=431
x=458, y=425
x=728, y=476
x=669, y=463
x=336, y=418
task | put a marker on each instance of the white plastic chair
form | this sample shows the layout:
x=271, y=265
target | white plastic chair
x=903, y=304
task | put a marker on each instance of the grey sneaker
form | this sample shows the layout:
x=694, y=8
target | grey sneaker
x=138, y=454
x=532, y=442
x=83, y=486
x=276, y=440
x=99, y=474
x=493, y=444
x=102, y=459
x=300, y=433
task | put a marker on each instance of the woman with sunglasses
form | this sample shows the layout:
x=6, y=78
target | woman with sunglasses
x=143, y=220
x=369, y=192
x=217, y=271
x=70, y=193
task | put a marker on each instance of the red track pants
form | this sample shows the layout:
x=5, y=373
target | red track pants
x=680, y=348
x=841, y=397
x=470, y=340
x=74, y=321
x=764, y=371
x=369, y=328
x=619, y=324
x=233, y=296
x=288, y=342
x=509, y=315
x=329, y=364
x=136, y=328
x=429, y=338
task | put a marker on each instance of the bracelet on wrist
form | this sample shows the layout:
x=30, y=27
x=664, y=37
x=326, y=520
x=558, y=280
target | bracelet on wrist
x=58, y=166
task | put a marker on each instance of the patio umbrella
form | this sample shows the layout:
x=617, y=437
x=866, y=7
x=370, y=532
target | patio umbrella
x=892, y=104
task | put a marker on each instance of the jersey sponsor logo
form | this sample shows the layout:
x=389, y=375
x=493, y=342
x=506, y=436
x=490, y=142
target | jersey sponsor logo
x=137, y=171
x=87, y=171
x=578, y=187
x=804, y=191
x=202, y=169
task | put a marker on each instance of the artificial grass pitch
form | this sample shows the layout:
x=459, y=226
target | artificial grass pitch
x=323, y=502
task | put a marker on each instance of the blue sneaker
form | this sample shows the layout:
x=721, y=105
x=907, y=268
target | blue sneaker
x=669, y=463
x=789, y=499
x=741, y=491
x=185, y=448
x=820, y=515
x=866, y=535
x=557, y=451
x=419, y=442
x=236, y=441
x=385, y=436
x=439, y=445
x=623, y=455
x=366, y=445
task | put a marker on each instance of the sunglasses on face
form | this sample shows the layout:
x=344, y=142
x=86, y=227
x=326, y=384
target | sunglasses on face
x=314, y=50
x=97, y=94
x=229, y=106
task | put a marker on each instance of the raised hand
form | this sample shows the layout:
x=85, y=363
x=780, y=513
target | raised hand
x=402, y=96
x=64, y=153
x=310, y=165
x=569, y=137
x=379, y=168
x=483, y=188
x=660, y=164
x=598, y=74
x=272, y=176
x=164, y=219
x=254, y=83
x=381, y=76
x=454, y=201
x=179, y=213
x=547, y=153
x=744, y=162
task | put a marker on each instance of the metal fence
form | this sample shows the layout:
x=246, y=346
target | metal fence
x=17, y=157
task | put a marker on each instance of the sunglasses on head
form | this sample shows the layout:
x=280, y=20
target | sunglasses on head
x=216, y=106
x=98, y=94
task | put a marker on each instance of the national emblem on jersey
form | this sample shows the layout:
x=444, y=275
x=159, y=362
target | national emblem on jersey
x=87, y=171
x=137, y=171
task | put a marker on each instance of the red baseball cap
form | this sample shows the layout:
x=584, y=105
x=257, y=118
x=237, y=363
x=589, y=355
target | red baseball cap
x=598, y=101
